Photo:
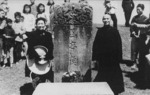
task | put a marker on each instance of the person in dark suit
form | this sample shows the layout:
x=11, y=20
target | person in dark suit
x=128, y=6
x=40, y=37
x=107, y=52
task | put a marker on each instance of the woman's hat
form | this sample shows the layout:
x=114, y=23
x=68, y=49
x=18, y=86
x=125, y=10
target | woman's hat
x=41, y=50
x=37, y=66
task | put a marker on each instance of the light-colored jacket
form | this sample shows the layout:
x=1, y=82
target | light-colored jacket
x=29, y=22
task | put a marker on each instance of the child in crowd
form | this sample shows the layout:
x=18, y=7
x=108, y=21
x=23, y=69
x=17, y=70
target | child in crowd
x=41, y=12
x=29, y=19
x=111, y=11
x=18, y=26
x=25, y=46
x=8, y=44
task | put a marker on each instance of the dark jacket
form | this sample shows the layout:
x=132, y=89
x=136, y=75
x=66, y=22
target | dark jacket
x=128, y=5
x=43, y=38
x=139, y=20
x=107, y=50
x=9, y=38
x=8, y=31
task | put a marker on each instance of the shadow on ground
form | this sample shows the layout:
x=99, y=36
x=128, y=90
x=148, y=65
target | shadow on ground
x=26, y=89
x=137, y=78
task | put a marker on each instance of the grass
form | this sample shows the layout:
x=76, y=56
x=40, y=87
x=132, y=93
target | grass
x=12, y=80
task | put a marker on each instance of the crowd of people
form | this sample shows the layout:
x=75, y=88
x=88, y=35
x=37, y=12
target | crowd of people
x=32, y=29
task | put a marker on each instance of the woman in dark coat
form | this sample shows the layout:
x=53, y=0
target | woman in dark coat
x=128, y=6
x=107, y=51
x=40, y=37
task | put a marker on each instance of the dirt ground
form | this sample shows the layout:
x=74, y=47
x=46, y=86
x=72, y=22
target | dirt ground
x=13, y=82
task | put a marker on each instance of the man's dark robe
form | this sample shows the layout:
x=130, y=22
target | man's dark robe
x=107, y=50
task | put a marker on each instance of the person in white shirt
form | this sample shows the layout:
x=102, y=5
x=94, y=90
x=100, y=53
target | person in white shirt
x=19, y=29
x=111, y=11
x=41, y=12
x=29, y=19
x=18, y=26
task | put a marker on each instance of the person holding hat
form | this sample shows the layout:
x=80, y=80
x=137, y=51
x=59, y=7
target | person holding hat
x=40, y=54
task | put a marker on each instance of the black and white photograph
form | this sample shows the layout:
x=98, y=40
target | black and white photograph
x=74, y=47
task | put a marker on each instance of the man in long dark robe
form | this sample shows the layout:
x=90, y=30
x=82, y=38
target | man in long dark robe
x=107, y=51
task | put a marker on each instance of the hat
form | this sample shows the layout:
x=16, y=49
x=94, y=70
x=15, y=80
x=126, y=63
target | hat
x=37, y=68
x=41, y=50
x=39, y=65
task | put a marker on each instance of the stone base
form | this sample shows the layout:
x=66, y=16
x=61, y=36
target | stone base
x=101, y=88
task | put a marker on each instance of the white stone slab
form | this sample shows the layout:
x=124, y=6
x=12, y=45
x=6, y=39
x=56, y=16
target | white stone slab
x=93, y=88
